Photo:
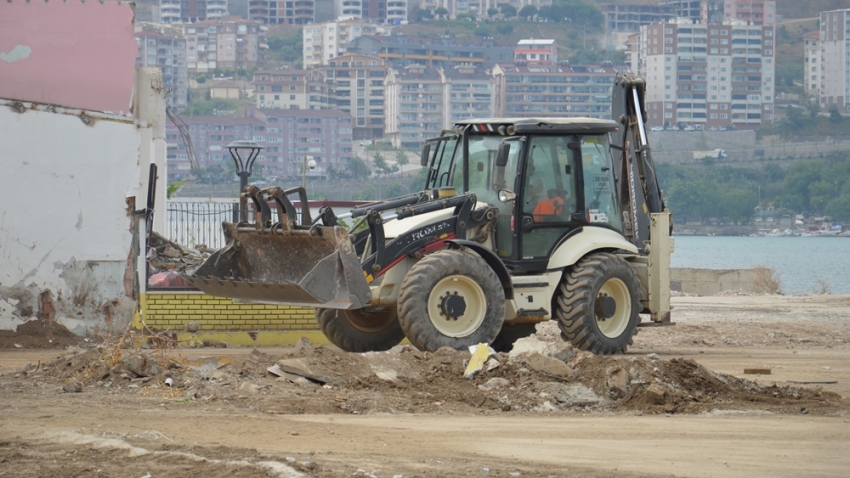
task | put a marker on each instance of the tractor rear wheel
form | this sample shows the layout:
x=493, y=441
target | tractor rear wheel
x=598, y=302
x=451, y=299
x=361, y=330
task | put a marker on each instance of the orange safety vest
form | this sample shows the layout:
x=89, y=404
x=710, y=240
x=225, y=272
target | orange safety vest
x=548, y=207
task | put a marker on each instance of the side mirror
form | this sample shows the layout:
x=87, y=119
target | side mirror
x=425, y=155
x=502, y=154
x=506, y=195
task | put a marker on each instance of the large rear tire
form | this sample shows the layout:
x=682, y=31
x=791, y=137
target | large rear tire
x=598, y=302
x=451, y=299
x=510, y=333
x=361, y=330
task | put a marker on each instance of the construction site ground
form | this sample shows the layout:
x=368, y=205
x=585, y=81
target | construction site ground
x=677, y=404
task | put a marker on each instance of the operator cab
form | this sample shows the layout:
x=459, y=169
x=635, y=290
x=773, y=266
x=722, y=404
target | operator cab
x=549, y=178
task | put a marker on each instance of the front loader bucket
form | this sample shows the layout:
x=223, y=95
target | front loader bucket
x=315, y=268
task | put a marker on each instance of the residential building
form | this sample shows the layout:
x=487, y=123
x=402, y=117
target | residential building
x=690, y=9
x=292, y=89
x=546, y=90
x=323, y=41
x=228, y=44
x=835, y=59
x=164, y=47
x=536, y=51
x=224, y=89
x=469, y=93
x=443, y=53
x=288, y=12
x=757, y=12
x=415, y=105
x=287, y=136
x=349, y=9
x=190, y=11
x=629, y=18
x=713, y=75
x=358, y=89
x=811, y=63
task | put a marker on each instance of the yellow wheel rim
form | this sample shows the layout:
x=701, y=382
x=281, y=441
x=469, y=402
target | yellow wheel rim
x=473, y=296
x=614, y=326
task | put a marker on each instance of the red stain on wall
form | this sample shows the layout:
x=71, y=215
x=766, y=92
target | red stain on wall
x=77, y=55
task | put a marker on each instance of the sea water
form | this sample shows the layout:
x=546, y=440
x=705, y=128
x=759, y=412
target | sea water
x=804, y=265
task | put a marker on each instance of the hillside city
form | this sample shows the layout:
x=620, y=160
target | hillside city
x=745, y=102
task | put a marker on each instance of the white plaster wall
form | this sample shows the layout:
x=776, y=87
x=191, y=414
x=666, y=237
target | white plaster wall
x=64, y=225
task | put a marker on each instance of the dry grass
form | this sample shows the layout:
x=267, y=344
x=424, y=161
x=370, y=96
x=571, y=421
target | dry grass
x=821, y=287
x=766, y=280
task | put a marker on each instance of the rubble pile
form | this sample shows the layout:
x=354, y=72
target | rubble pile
x=537, y=376
x=166, y=255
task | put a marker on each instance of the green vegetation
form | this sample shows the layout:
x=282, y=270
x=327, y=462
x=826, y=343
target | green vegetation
x=214, y=107
x=806, y=187
x=806, y=124
x=285, y=46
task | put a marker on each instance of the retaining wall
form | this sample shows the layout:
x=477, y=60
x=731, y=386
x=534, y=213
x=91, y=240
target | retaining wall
x=711, y=281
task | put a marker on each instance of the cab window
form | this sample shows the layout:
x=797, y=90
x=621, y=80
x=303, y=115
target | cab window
x=600, y=193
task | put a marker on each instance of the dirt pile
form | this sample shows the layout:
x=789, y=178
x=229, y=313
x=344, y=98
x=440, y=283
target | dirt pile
x=38, y=334
x=538, y=376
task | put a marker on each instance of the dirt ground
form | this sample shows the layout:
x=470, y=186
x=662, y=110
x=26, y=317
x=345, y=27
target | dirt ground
x=678, y=404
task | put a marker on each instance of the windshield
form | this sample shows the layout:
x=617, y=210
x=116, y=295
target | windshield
x=442, y=165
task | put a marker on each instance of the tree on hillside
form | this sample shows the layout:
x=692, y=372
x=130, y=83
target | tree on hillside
x=528, y=11
x=835, y=115
x=492, y=12
x=380, y=163
x=441, y=12
x=508, y=10
x=358, y=169
x=401, y=160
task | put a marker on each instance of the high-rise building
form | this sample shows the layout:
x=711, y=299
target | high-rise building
x=284, y=12
x=164, y=47
x=757, y=12
x=835, y=59
x=713, y=75
x=227, y=43
x=358, y=89
x=323, y=41
x=415, y=105
x=811, y=63
x=190, y=11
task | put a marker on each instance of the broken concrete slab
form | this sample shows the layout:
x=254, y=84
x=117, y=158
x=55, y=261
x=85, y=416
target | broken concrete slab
x=571, y=395
x=547, y=365
x=617, y=382
x=655, y=394
x=480, y=354
x=494, y=383
x=140, y=365
x=299, y=367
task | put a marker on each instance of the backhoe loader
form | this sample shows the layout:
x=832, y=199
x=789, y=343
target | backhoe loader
x=520, y=221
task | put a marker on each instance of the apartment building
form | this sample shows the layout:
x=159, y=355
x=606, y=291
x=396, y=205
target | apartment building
x=292, y=89
x=190, y=11
x=285, y=12
x=477, y=7
x=757, y=12
x=468, y=93
x=323, y=41
x=835, y=59
x=415, y=105
x=708, y=74
x=357, y=83
x=287, y=136
x=228, y=43
x=811, y=63
x=629, y=18
x=164, y=47
x=545, y=90
x=445, y=53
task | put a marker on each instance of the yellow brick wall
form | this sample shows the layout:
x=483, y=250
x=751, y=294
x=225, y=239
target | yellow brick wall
x=162, y=311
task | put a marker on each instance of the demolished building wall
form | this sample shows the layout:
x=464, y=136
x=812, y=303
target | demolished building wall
x=80, y=127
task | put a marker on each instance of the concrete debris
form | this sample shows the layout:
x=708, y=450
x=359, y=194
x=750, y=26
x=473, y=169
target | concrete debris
x=251, y=388
x=491, y=364
x=655, y=394
x=193, y=327
x=215, y=343
x=386, y=374
x=548, y=365
x=72, y=386
x=258, y=357
x=140, y=365
x=546, y=407
x=494, y=383
x=617, y=382
x=652, y=356
x=570, y=395
x=300, y=368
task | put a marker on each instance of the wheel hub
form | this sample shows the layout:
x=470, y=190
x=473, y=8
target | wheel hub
x=452, y=305
x=606, y=307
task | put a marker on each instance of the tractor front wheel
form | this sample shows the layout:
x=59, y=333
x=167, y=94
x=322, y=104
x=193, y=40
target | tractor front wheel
x=451, y=299
x=361, y=330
